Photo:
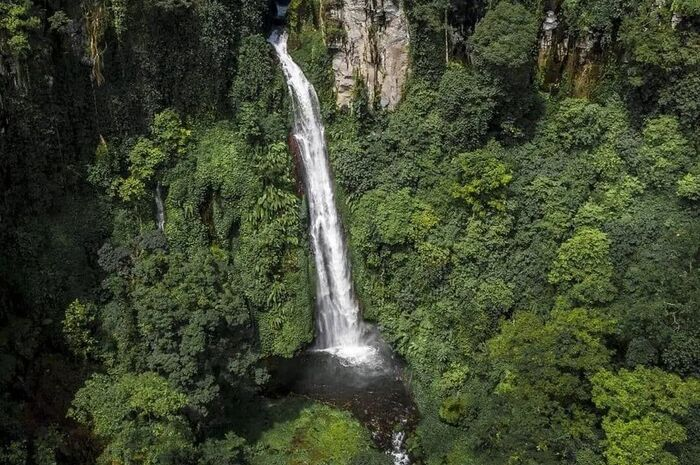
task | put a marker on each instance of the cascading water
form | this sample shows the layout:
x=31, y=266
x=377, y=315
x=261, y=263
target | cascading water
x=398, y=449
x=341, y=330
x=160, y=210
x=349, y=363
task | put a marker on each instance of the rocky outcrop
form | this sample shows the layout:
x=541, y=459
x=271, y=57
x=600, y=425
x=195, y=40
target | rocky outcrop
x=572, y=62
x=370, y=43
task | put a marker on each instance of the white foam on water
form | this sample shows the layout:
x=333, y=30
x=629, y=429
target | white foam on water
x=398, y=451
x=367, y=356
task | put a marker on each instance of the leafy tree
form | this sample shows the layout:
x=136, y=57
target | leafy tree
x=583, y=269
x=466, y=105
x=665, y=152
x=597, y=15
x=144, y=157
x=272, y=265
x=147, y=158
x=229, y=451
x=78, y=324
x=256, y=93
x=16, y=25
x=317, y=435
x=689, y=187
x=503, y=47
x=658, y=57
x=540, y=405
x=643, y=407
x=505, y=38
x=483, y=178
x=427, y=18
x=170, y=312
x=138, y=416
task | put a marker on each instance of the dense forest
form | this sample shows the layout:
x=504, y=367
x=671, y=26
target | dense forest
x=523, y=226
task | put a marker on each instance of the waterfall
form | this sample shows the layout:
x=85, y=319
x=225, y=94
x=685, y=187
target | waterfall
x=160, y=211
x=340, y=329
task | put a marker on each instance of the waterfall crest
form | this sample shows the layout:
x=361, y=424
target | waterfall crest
x=340, y=329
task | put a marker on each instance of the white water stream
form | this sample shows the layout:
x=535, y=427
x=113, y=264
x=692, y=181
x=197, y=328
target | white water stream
x=340, y=328
x=160, y=210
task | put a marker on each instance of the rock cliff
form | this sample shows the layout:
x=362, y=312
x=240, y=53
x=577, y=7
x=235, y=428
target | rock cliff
x=571, y=62
x=370, y=40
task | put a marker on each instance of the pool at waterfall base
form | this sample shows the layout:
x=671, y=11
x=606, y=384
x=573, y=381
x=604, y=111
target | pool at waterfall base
x=376, y=394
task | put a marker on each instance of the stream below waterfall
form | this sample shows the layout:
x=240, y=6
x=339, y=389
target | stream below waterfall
x=349, y=365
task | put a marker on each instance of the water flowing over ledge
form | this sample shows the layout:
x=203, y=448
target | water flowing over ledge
x=349, y=364
x=340, y=328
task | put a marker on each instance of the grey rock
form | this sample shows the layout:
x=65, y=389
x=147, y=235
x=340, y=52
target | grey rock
x=374, y=49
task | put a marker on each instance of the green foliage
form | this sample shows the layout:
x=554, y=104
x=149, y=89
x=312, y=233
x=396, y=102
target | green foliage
x=686, y=7
x=570, y=342
x=137, y=416
x=169, y=5
x=583, y=269
x=503, y=47
x=14, y=454
x=247, y=206
x=155, y=55
x=689, y=187
x=257, y=93
x=427, y=37
x=318, y=435
x=146, y=159
x=78, y=324
x=170, y=311
x=482, y=179
x=540, y=404
x=168, y=140
x=505, y=38
x=466, y=106
x=256, y=67
x=665, y=152
x=16, y=25
x=579, y=124
x=642, y=411
x=229, y=451
x=273, y=267
x=661, y=59
x=651, y=41
x=143, y=159
x=597, y=15
x=59, y=21
x=453, y=409
x=169, y=133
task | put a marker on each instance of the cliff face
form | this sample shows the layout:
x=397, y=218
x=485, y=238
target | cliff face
x=370, y=40
x=563, y=60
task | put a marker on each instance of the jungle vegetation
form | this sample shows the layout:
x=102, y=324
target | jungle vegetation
x=529, y=246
